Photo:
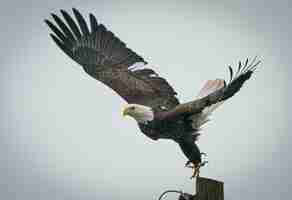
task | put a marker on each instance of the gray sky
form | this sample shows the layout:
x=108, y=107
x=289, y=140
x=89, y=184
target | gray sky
x=58, y=124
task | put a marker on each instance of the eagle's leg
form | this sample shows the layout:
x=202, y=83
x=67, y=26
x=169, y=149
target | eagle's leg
x=196, y=168
x=192, y=152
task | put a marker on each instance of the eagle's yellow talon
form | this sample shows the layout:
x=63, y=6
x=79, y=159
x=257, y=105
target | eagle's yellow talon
x=196, y=168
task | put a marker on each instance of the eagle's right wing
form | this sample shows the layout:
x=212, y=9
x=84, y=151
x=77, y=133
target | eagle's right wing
x=107, y=59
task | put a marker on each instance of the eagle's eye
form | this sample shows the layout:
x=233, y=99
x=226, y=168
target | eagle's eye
x=132, y=108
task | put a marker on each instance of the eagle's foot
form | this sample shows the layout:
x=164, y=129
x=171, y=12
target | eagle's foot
x=196, y=167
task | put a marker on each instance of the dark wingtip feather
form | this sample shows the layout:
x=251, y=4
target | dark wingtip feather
x=93, y=22
x=75, y=10
x=81, y=21
x=239, y=66
x=47, y=22
x=230, y=73
x=54, y=15
x=56, y=30
x=63, y=27
x=58, y=42
x=246, y=61
x=245, y=65
x=63, y=11
x=242, y=75
x=235, y=85
x=72, y=24
x=254, y=67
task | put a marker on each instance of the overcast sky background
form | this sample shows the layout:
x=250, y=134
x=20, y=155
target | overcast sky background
x=62, y=133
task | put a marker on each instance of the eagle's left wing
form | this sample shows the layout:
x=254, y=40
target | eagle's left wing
x=107, y=59
x=237, y=79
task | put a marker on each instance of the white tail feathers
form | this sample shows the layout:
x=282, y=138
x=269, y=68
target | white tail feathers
x=209, y=87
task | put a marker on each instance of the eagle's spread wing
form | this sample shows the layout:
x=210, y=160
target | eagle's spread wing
x=237, y=79
x=107, y=59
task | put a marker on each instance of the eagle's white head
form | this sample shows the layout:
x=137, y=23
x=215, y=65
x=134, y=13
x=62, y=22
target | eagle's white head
x=140, y=113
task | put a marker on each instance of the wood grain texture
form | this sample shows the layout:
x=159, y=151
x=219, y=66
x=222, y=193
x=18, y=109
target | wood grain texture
x=209, y=189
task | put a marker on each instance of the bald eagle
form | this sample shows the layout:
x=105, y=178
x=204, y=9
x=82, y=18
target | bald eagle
x=152, y=101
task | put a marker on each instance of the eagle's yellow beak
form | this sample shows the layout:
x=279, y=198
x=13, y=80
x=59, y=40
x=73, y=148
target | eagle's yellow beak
x=125, y=111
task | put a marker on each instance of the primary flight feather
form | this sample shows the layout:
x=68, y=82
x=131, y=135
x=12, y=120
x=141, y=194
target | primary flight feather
x=152, y=100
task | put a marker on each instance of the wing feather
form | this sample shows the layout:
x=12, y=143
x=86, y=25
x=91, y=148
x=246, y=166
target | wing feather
x=57, y=32
x=93, y=22
x=72, y=24
x=64, y=28
x=81, y=21
x=106, y=58
x=217, y=96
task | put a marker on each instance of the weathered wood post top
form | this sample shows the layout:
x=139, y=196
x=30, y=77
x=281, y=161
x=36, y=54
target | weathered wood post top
x=207, y=189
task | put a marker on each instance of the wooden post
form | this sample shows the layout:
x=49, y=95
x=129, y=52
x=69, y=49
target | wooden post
x=207, y=189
